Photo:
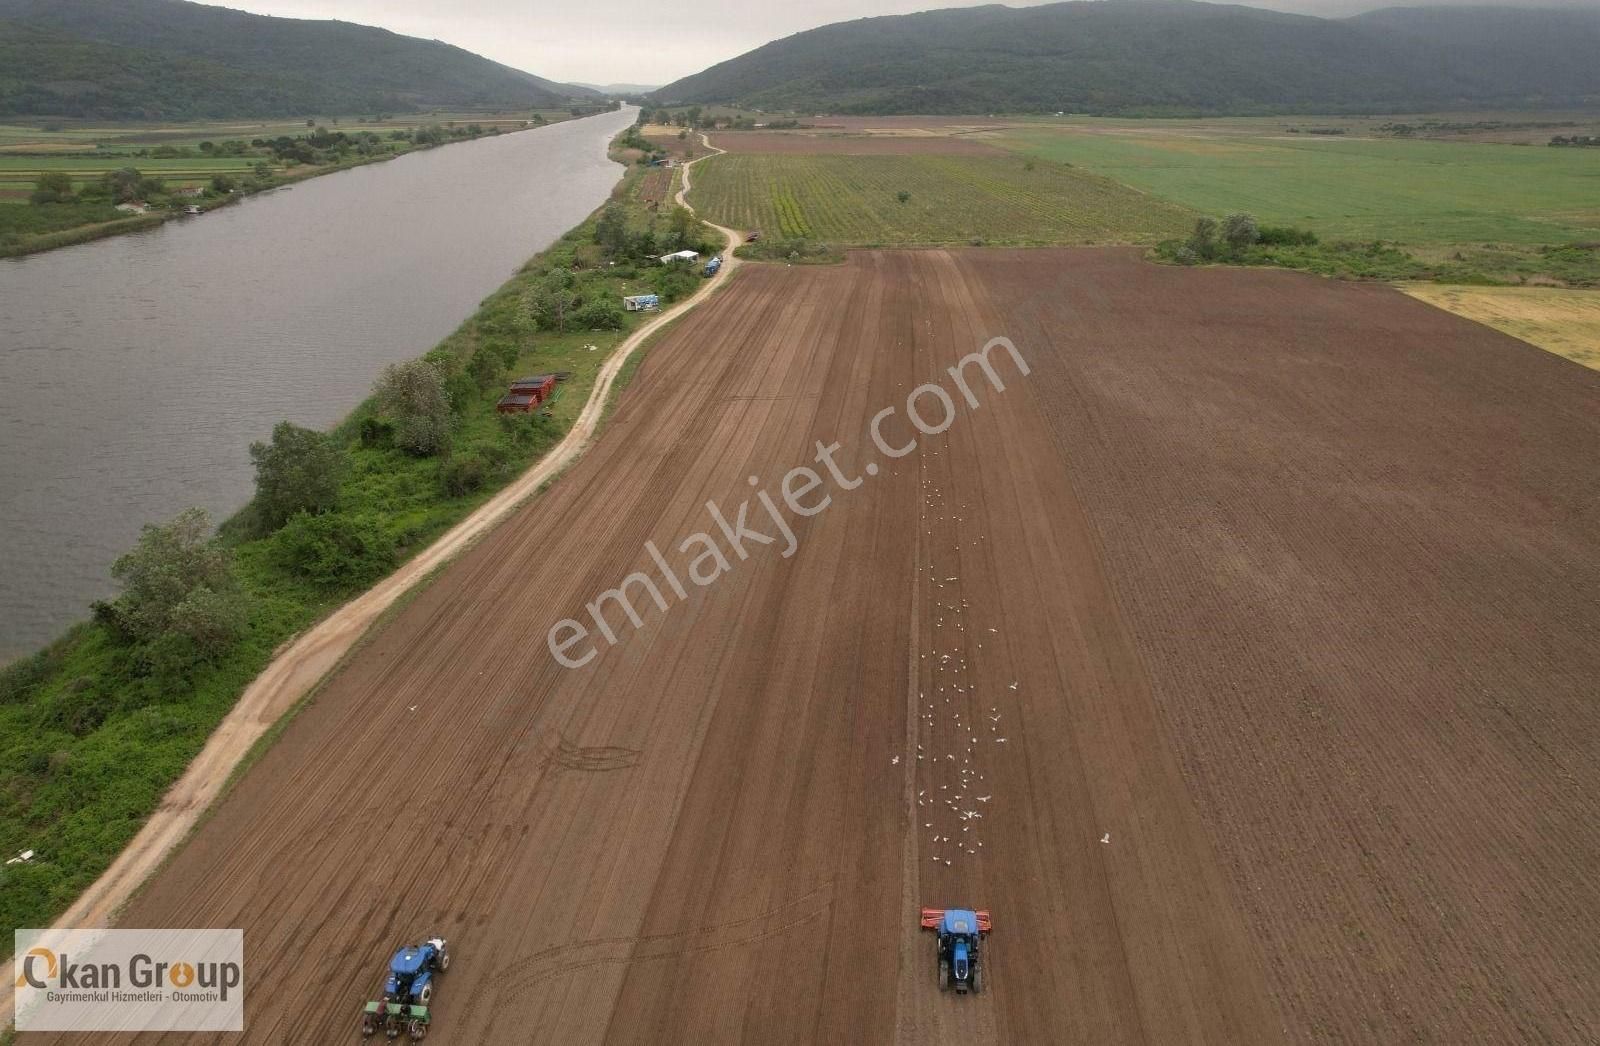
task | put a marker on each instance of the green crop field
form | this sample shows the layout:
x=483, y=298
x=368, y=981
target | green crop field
x=953, y=199
x=1343, y=186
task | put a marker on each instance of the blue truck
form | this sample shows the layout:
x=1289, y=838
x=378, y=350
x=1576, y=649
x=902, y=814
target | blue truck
x=713, y=265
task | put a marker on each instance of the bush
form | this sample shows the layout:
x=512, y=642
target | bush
x=334, y=550
x=412, y=395
x=299, y=471
x=1203, y=241
x=463, y=474
x=178, y=580
x=673, y=282
x=1240, y=231
x=529, y=430
x=375, y=433
x=52, y=187
x=463, y=391
x=600, y=313
x=22, y=678
x=1285, y=236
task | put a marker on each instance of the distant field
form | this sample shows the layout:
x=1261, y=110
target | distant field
x=847, y=143
x=1341, y=186
x=87, y=151
x=953, y=199
x=18, y=173
x=1566, y=322
x=68, y=135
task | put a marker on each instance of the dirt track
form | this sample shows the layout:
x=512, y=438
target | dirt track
x=1287, y=590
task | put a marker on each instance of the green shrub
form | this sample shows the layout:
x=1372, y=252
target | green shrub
x=375, y=433
x=673, y=282
x=599, y=314
x=178, y=580
x=463, y=474
x=334, y=550
x=1285, y=236
x=412, y=397
x=22, y=678
x=299, y=471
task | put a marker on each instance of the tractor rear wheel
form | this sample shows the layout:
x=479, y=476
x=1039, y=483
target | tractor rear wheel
x=418, y=1030
x=944, y=975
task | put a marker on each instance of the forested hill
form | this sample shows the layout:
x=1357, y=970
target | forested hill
x=1174, y=56
x=169, y=59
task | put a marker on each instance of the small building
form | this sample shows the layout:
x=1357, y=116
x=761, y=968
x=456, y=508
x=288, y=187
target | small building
x=642, y=302
x=132, y=208
x=679, y=256
x=190, y=191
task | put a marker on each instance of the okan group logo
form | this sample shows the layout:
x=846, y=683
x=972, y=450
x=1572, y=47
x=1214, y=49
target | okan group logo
x=129, y=980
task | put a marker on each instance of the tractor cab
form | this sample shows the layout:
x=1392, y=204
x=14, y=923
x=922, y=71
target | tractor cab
x=960, y=940
x=409, y=974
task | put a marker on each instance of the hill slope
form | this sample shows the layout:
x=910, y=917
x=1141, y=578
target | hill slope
x=170, y=59
x=1163, y=55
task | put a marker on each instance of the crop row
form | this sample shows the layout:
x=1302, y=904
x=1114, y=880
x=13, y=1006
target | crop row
x=928, y=199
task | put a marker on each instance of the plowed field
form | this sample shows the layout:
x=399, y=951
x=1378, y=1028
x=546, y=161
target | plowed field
x=1241, y=659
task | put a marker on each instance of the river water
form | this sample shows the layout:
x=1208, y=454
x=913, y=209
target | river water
x=136, y=371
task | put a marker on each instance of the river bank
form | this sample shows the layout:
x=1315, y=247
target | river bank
x=135, y=371
x=186, y=166
x=91, y=736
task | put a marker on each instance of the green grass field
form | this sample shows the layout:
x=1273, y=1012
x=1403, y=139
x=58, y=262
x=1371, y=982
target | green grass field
x=953, y=200
x=1341, y=186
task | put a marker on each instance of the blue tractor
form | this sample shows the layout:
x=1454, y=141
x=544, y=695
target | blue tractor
x=407, y=991
x=961, y=932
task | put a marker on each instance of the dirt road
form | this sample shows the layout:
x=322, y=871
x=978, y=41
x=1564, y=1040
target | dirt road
x=1252, y=635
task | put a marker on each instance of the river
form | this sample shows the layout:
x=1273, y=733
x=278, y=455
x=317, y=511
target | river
x=136, y=371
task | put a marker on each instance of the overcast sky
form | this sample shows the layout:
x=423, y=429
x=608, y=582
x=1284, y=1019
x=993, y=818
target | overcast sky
x=632, y=41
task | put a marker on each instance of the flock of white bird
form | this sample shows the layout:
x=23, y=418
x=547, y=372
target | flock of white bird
x=954, y=728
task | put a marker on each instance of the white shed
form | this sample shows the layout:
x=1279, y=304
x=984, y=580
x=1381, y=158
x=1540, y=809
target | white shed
x=680, y=256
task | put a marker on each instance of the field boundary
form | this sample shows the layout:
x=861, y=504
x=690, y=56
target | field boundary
x=305, y=662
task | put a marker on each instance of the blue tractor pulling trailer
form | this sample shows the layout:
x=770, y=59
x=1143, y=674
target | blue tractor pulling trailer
x=407, y=991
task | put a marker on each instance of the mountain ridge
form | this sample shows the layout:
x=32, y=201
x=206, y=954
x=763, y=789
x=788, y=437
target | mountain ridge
x=172, y=59
x=1176, y=56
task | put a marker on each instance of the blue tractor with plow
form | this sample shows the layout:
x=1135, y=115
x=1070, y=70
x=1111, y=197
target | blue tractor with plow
x=407, y=991
x=961, y=932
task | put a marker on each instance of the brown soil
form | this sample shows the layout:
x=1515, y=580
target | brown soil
x=1285, y=593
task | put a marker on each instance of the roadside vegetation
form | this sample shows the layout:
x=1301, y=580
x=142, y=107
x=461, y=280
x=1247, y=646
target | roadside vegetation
x=94, y=728
x=59, y=187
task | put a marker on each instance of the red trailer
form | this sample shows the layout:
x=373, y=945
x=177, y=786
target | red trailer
x=514, y=404
x=539, y=386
